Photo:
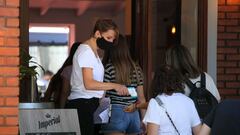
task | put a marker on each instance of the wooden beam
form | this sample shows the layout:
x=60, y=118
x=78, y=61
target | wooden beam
x=82, y=7
x=45, y=5
x=118, y=7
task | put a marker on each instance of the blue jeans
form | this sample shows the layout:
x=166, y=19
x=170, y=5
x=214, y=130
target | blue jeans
x=122, y=122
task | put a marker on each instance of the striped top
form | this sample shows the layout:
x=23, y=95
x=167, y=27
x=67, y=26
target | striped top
x=136, y=80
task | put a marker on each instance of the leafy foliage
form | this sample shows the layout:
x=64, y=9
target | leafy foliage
x=25, y=68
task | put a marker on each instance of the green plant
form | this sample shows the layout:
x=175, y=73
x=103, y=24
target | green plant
x=25, y=68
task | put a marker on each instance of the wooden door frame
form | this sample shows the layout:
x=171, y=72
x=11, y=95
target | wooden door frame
x=202, y=34
x=142, y=31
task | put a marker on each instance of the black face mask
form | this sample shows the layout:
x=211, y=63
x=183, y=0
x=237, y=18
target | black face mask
x=104, y=44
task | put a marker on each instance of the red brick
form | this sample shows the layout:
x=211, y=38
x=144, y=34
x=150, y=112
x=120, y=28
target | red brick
x=9, y=130
x=9, y=71
x=220, y=57
x=233, y=84
x=12, y=101
x=10, y=12
x=233, y=29
x=233, y=15
x=220, y=70
x=227, y=35
x=2, y=32
x=221, y=28
x=1, y=120
x=233, y=70
x=233, y=2
x=1, y=41
x=227, y=50
x=12, y=121
x=221, y=15
x=2, y=61
x=227, y=22
x=221, y=84
x=12, y=42
x=220, y=42
x=226, y=64
x=233, y=57
x=226, y=77
x=2, y=22
x=9, y=51
x=2, y=101
x=12, y=32
x=2, y=81
x=9, y=91
x=13, y=22
x=227, y=91
x=8, y=111
x=12, y=3
x=227, y=8
x=233, y=43
x=12, y=61
x=221, y=2
x=12, y=81
x=2, y=2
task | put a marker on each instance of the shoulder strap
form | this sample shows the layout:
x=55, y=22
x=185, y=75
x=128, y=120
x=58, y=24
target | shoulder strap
x=160, y=103
x=190, y=84
x=203, y=80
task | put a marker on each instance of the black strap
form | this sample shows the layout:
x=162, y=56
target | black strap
x=203, y=80
x=160, y=103
x=192, y=86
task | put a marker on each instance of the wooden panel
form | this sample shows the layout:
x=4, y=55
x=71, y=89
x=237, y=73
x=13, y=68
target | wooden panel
x=142, y=32
x=202, y=34
x=141, y=39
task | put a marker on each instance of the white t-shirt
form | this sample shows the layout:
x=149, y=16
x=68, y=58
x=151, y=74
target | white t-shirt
x=210, y=85
x=181, y=110
x=85, y=57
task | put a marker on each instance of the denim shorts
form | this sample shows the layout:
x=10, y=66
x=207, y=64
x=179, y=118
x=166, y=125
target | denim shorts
x=122, y=122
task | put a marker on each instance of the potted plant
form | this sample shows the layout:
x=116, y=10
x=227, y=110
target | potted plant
x=28, y=76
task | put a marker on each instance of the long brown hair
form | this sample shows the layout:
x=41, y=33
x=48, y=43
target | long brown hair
x=121, y=59
x=179, y=57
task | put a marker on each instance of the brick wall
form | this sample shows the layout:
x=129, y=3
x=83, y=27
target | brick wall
x=228, y=50
x=9, y=66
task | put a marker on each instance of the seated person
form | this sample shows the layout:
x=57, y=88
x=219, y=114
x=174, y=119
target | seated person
x=44, y=81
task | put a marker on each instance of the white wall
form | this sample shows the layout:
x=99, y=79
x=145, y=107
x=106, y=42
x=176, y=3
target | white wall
x=212, y=39
x=189, y=26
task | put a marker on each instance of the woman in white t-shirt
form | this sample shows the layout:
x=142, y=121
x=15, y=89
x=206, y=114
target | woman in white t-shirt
x=169, y=88
x=87, y=75
x=179, y=57
x=59, y=86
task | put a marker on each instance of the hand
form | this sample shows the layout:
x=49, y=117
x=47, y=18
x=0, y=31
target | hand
x=130, y=108
x=121, y=89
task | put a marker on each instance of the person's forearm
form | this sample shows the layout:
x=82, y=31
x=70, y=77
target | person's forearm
x=204, y=130
x=96, y=85
x=142, y=105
